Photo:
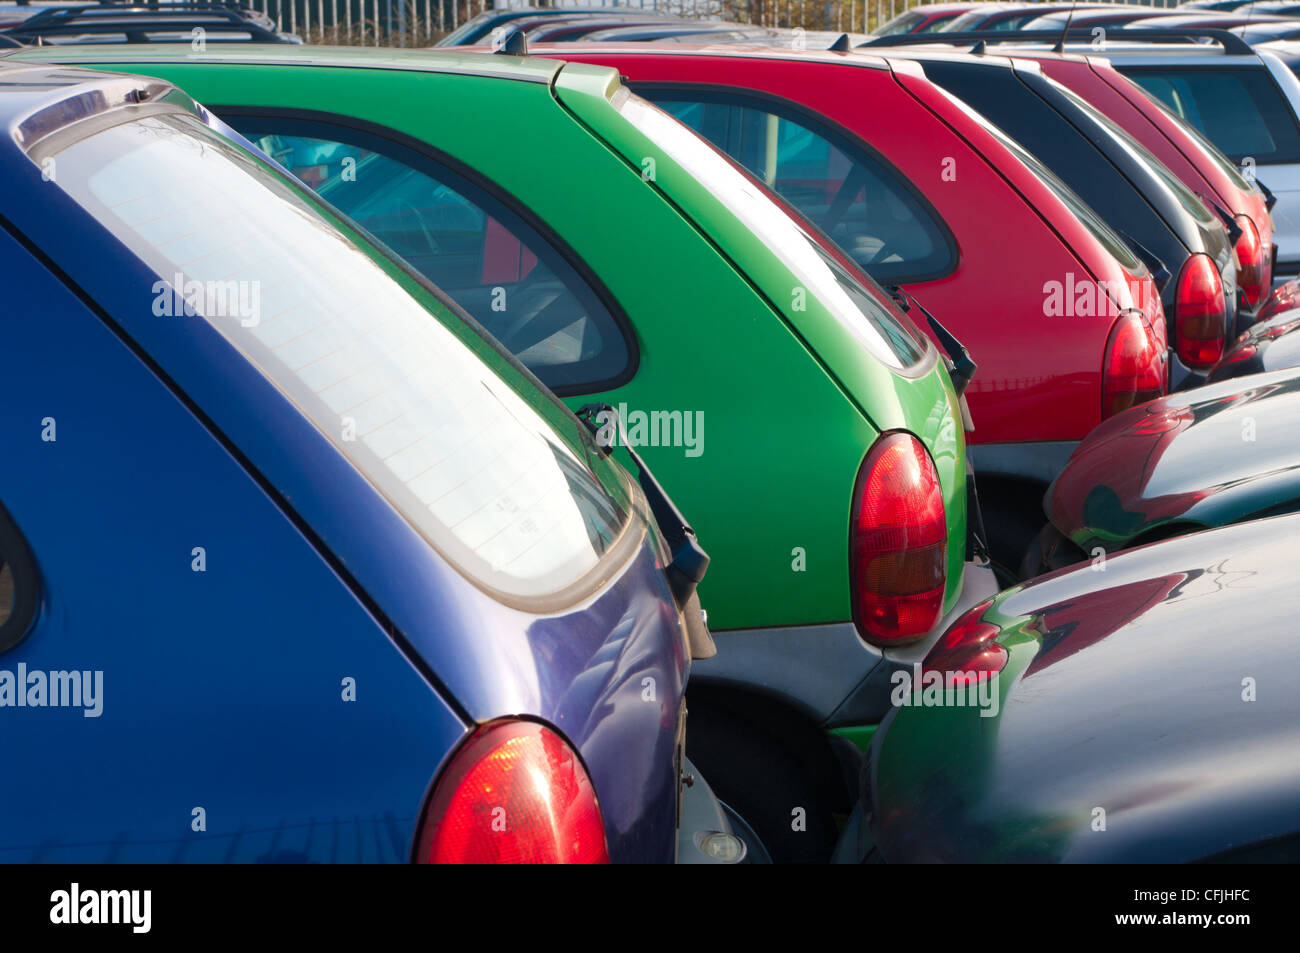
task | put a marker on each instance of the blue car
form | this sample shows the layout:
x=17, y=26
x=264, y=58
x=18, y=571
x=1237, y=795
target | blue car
x=296, y=564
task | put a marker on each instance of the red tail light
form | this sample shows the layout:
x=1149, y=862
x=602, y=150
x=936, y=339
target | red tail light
x=515, y=793
x=898, y=546
x=1201, y=313
x=1134, y=369
x=1252, y=269
x=966, y=652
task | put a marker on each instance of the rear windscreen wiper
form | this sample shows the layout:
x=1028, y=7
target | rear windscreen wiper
x=1159, y=272
x=962, y=368
x=1269, y=198
x=1230, y=223
x=689, y=560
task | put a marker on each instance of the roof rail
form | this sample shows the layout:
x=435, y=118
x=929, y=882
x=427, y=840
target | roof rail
x=1231, y=42
x=137, y=29
x=116, y=8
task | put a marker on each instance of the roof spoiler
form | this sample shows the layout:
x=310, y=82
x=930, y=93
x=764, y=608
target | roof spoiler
x=1231, y=42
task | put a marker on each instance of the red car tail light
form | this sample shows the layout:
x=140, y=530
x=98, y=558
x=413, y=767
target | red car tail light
x=898, y=542
x=1243, y=353
x=1134, y=369
x=1252, y=270
x=515, y=793
x=967, y=652
x=1201, y=313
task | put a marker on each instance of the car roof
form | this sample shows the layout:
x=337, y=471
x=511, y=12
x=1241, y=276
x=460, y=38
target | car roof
x=441, y=60
x=534, y=68
x=1118, y=46
x=937, y=7
x=1109, y=9
x=752, y=50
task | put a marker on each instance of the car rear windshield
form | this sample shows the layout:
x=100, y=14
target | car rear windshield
x=1241, y=110
x=903, y=23
x=889, y=337
x=1210, y=151
x=478, y=466
x=1090, y=220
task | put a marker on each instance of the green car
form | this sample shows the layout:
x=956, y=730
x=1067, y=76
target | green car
x=796, y=415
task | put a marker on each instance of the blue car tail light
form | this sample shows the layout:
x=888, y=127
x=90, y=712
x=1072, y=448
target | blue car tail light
x=515, y=793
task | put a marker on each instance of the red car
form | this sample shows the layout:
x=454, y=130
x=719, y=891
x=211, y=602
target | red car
x=1064, y=321
x=1198, y=164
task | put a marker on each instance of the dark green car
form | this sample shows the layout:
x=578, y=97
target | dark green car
x=799, y=419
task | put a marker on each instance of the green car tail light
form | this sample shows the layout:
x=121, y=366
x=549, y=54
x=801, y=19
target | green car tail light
x=898, y=544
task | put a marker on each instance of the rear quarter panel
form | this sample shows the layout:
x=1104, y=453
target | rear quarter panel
x=224, y=731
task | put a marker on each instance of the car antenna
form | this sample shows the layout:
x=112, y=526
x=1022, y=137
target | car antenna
x=841, y=45
x=979, y=48
x=514, y=44
x=1060, y=44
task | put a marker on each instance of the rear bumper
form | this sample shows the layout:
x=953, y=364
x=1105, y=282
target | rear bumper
x=827, y=671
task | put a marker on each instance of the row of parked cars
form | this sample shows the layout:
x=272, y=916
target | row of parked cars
x=458, y=417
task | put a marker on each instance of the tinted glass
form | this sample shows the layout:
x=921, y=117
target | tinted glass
x=851, y=196
x=1081, y=209
x=464, y=240
x=1192, y=205
x=1057, y=145
x=1239, y=110
x=891, y=339
x=471, y=462
x=900, y=24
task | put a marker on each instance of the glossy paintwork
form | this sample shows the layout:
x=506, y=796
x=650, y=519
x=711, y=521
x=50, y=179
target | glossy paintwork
x=1104, y=87
x=790, y=403
x=1219, y=454
x=1039, y=376
x=226, y=685
x=1269, y=345
x=928, y=16
x=1117, y=177
x=1123, y=691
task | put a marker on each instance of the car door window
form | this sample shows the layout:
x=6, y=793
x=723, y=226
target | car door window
x=854, y=197
x=468, y=242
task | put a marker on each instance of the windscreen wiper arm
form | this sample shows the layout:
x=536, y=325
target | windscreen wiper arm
x=689, y=560
x=962, y=368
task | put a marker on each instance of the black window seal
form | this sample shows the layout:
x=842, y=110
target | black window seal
x=15, y=553
x=839, y=136
x=438, y=157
